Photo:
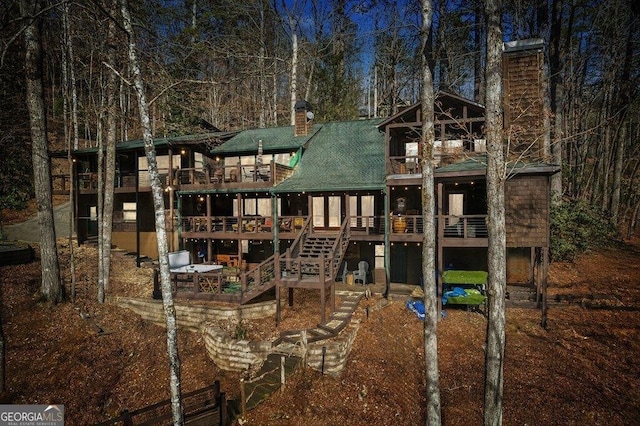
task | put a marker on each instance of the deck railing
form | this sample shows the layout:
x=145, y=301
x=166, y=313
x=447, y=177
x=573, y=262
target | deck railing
x=444, y=152
x=241, y=225
x=467, y=226
x=215, y=177
x=237, y=175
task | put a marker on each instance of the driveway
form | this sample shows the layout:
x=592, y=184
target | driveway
x=29, y=231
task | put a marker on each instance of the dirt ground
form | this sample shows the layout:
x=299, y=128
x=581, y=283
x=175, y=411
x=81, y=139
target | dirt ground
x=582, y=369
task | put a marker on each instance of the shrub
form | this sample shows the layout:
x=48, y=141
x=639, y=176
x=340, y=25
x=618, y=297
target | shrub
x=576, y=227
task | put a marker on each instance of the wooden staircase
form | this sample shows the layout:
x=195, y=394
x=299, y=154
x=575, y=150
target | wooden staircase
x=313, y=261
x=292, y=342
x=313, y=246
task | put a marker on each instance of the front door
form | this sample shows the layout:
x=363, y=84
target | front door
x=327, y=212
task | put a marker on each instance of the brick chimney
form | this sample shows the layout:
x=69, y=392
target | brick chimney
x=525, y=117
x=303, y=118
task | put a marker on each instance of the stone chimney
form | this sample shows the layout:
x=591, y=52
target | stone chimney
x=303, y=118
x=525, y=115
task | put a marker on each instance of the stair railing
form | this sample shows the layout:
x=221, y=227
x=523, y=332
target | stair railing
x=255, y=278
x=337, y=251
x=294, y=248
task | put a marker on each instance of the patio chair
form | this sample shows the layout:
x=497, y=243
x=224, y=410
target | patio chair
x=361, y=273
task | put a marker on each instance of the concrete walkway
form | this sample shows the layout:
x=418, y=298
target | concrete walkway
x=29, y=231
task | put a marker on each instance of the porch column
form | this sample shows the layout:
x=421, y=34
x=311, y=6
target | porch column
x=545, y=271
x=274, y=226
x=347, y=209
x=137, y=209
x=240, y=214
x=179, y=220
x=439, y=236
x=387, y=247
x=209, y=246
x=171, y=212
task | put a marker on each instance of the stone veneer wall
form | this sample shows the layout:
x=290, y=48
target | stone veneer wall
x=239, y=355
x=233, y=354
x=192, y=317
x=337, y=352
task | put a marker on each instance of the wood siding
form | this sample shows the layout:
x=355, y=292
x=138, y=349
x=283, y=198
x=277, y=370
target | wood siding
x=527, y=211
x=524, y=109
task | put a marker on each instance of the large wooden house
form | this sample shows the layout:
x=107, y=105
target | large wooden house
x=296, y=206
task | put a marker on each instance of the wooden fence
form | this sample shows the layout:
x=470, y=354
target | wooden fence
x=207, y=406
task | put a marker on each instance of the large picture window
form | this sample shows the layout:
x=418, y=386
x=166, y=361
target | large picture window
x=255, y=207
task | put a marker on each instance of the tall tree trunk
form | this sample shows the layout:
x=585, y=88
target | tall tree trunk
x=557, y=101
x=161, y=234
x=496, y=253
x=262, y=114
x=70, y=163
x=617, y=174
x=51, y=288
x=275, y=92
x=72, y=75
x=294, y=69
x=110, y=163
x=478, y=75
x=100, y=205
x=429, y=238
x=625, y=90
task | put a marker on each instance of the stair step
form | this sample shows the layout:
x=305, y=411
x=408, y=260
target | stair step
x=333, y=324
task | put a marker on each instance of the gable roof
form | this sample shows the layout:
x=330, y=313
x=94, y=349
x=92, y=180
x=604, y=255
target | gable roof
x=273, y=139
x=342, y=156
x=443, y=100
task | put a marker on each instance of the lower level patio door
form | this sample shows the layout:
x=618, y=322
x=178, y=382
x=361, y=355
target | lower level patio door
x=326, y=212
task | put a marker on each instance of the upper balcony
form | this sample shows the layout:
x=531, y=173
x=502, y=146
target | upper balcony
x=458, y=133
x=445, y=152
x=452, y=230
x=239, y=176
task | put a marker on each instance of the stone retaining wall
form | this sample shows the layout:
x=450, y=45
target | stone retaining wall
x=191, y=317
x=239, y=355
x=233, y=354
x=337, y=351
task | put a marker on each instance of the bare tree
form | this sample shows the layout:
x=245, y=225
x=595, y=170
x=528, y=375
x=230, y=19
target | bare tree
x=106, y=213
x=556, y=92
x=429, y=239
x=161, y=234
x=496, y=253
x=51, y=288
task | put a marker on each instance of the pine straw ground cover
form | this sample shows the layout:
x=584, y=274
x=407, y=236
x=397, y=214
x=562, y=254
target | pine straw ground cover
x=582, y=370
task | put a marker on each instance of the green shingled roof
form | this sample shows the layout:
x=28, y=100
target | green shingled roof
x=341, y=156
x=158, y=142
x=273, y=139
x=478, y=166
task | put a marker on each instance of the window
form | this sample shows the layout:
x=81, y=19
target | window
x=129, y=212
x=255, y=207
x=326, y=211
x=456, y=204
x=379, y=256
x=361, y=206
x=162, y=161
x=411, y=150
